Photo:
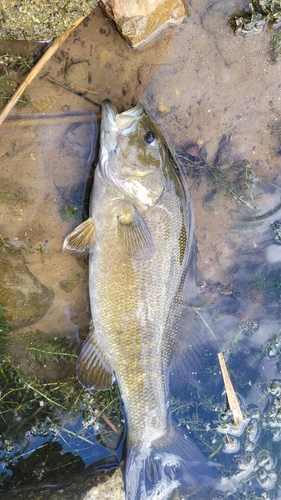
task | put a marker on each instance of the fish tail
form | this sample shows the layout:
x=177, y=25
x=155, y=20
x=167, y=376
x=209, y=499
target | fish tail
x=155, y=470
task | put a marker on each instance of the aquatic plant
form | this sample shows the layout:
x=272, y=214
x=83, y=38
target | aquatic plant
x=70, y=421
x=4, y=331
x=232, y=179
x=11, y=197
x=12, y=68
x=269, y=285
x=69, y=210
x=275, y=46
x=72, y=202
x=23, y=101
x=261, y=14
x=42, y=351
x=17, y=62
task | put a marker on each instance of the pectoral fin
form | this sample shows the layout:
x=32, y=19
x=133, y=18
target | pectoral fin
x=93, y=370
x=82, y=239
x=135, y=234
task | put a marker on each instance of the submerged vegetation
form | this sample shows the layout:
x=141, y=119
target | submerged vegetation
x=12, y=68
x=42, y=351
x=46, y=423
x=4, y=331
x=232, y=179
x=262, y=14
x=11, y=196
x=275, y=46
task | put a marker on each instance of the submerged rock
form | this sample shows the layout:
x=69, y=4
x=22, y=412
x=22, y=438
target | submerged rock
x=139, y=21
x=107, y=486
x=37, y=20
x=111, y=489
x=22, y=296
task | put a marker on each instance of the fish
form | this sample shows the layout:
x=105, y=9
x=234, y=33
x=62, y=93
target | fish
x=139, y=237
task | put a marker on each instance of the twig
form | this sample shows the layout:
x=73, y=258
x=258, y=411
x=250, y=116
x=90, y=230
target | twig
x=37, y=68
x=53, y=119
x=231, y=396
x=109, y=423
x=53, y=353
x=196, y=309
x=76, y=92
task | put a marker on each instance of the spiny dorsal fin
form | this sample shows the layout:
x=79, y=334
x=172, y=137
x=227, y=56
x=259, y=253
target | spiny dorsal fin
x=135, y=234
x=93, y=369
x=82, y=239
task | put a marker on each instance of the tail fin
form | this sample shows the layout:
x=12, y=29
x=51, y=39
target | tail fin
x=156, y=469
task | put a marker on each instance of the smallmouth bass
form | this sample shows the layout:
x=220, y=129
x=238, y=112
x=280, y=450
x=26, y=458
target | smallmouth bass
x=140, y=241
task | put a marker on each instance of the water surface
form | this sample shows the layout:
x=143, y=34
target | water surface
x=216, y=96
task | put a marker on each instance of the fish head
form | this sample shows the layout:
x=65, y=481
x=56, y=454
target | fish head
x=132, y=154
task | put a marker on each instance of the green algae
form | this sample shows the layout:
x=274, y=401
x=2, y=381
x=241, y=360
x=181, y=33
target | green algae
x=69, y=285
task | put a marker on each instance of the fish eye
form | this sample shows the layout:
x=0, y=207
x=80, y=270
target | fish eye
x=149, y=137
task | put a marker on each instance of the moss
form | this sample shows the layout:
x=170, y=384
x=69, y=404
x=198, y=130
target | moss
x=37, y=20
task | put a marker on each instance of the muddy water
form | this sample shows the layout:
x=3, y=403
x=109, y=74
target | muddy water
x=216, y=96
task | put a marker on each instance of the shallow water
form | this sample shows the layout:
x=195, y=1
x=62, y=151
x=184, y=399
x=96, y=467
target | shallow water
x=216, y=96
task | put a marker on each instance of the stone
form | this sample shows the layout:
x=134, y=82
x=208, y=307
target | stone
x=112, y=489
x=22, y=296
x=141, y=20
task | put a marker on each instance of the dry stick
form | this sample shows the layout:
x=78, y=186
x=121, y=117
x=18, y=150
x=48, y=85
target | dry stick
x=231, y=396
x=37, y=68
x=106, y=419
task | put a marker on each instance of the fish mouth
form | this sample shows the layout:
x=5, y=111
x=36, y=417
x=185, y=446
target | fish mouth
x=109, y=127
x=114, y=123
x=109, y=113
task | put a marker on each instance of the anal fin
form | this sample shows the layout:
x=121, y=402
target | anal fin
x=135, y=234
x=82, y=239
x=93, y=369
